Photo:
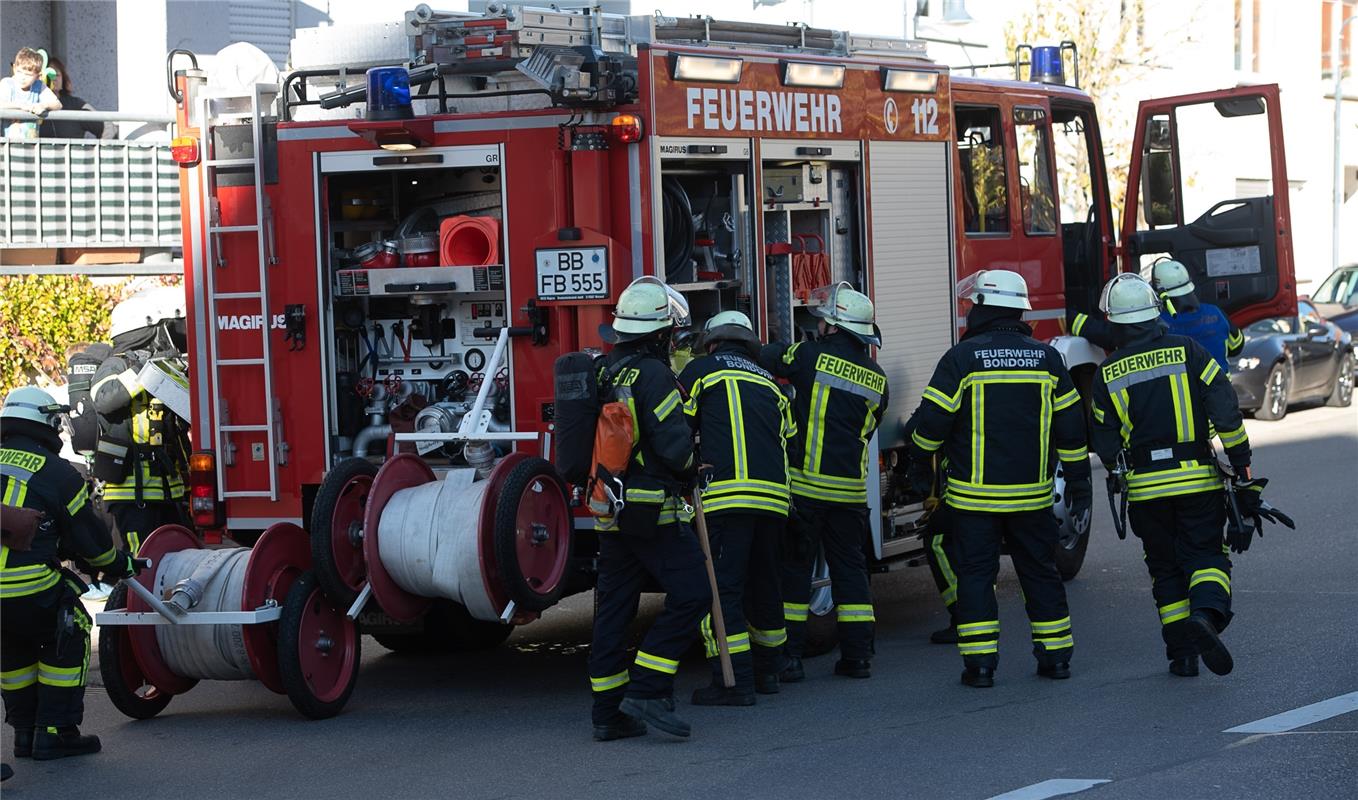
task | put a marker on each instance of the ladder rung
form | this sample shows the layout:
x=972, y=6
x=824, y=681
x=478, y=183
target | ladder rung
x=240, y=362
x=237, y=296
x=242, y=428
x=232, y=228
x=229, y=162
x=264, y=493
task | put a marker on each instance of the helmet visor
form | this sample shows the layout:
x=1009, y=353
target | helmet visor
x=1105, y=298
x=678, y=311
x=824, y=299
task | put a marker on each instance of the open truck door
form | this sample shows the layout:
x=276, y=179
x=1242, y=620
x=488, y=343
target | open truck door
x=1236, y=240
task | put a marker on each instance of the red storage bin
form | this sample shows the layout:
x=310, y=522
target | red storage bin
x=469, y=241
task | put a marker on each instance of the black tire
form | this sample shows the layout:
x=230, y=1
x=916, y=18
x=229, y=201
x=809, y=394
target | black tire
x=322, y=512
x=1070, y=544
x=822, y=635
x=521, y=475
x=295, y=679
x=448, y=629
x=138, y=702
x=1341, y=396
x=1070, y=556
x=1276, y=388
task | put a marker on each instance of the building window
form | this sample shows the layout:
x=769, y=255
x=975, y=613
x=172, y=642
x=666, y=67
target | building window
x=1346, y=9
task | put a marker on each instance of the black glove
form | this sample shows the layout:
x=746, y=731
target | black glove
x=1080, y=503
x=921, y=475
x=1249, y=496
x=123, y=566
x=1238, y=537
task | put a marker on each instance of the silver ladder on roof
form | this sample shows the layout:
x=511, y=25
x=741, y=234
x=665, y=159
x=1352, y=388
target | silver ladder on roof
x=222, y=425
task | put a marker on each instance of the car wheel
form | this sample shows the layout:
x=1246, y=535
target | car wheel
x=1276, y=387
x=1342, y=394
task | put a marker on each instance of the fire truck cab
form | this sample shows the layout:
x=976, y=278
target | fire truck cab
x=386, y=264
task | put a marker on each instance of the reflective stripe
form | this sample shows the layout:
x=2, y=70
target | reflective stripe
x=855, y=612
x=1211, y=575
x=1209, y=372
x=813, y=485
x=24, y=588
x=1079, y=324
x=943, y=401
x=1054, y=643
x=1079, y=454
x=978, y=433
x=747, y=501
x=1174, y=612
x=978, y=648
x=925, y=443
x=17, y=492
x=791, y=353
x=949, y=592
x=815, y=433
x=1067, y=400
x=1098, y=412
x=667, y=406
x=1233, y=438
x=610, y=682
x=105, y=558
x=795, y=612
x=1055, y=626
x=78, y=502
x=978, y=628
x=23, y=677
x=735, y=642
x=658, y=663
x=64, y=677
x=773, y=638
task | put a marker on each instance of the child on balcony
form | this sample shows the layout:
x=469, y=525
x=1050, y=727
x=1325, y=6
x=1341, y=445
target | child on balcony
x=24, y=91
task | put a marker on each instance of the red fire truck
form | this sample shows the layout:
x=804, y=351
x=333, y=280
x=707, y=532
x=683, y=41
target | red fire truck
x=380, y=280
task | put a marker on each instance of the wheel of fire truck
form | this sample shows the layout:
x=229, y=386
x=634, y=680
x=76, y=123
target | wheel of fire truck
x=448, y=628
x=822, y=629
x=532, y=528
x=318, y=650
x=337, y=529
x=1070, y=544
x=123, y=678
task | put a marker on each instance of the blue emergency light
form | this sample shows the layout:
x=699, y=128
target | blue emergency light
x=1047, y=65
x=389, y=93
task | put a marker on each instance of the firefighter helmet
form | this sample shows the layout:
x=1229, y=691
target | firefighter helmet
x=848, y=309
x=647, y=305
x=1171, y=278
x=1128, y=299
x=146, y=308
x=729, y=326
x=33, y=404
x=995, y=287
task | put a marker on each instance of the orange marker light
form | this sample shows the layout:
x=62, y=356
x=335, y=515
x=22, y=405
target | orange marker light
x=626, y=128
x=184, y=150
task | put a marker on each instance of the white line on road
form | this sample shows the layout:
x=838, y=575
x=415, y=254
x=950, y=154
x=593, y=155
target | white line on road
x=1299, y=717
x=1052, y=788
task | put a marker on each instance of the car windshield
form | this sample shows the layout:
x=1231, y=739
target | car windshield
x=1341, y=287
x=1272, y=327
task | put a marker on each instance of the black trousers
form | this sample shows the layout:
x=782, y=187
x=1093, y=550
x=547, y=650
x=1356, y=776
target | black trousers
x=671, y=557
x=1031, y=537
x=940, y=551
x=843, y=532
x=136, y=522
x=745, y=558
x=1186, y=555
x=44, y=654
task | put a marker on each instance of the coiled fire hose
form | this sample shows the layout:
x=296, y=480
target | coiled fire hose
x=205, y=580
x=428, y=536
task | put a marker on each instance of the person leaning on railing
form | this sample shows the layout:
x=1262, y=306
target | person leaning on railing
x=26, y=92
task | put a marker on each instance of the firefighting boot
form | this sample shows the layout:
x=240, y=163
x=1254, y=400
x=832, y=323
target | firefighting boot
x=1057, y=672
x=657, y=711
x=979, y=677
x=23, y=742
x=854, y=668
x=1203, y=634
x=793, y=672
x=624, y=727
x=946, y=635
x=52, y=742
x=1184, y=666
x=718, y=695
x=766, y=682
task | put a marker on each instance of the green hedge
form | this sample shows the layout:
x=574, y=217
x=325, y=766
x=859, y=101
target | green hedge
x=43, y=315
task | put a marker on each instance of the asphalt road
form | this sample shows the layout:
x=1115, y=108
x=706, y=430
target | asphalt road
x=515, y=722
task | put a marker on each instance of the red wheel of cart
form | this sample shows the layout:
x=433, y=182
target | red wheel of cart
x=276, y=561
x=526, y=528
x=124, y=682
x=145, y=649
x=402, y=472
x=318, y=650
x=337, y=529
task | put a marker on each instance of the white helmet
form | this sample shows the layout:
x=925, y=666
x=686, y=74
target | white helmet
x=645, y=306
x=847, y=309
x=146, y=308
x=1128, y=299
x=33, y=404
x=1171, y=278
x=729, y=326
x=995, y=287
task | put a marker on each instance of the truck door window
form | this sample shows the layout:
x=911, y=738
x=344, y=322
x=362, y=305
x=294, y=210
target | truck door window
x=1037, y=198
x=980, y=154
x=1159, y=200
x=1083, y=208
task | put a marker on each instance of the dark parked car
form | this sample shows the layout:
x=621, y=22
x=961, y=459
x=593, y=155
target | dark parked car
x=1337, y=298
x=1291, y=360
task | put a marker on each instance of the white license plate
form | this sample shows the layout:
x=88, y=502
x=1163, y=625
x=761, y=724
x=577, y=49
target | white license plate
x=573, y=273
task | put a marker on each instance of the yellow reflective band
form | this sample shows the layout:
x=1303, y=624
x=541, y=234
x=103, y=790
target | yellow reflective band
x=1067, y=400
x=945, y=567
x=667, y=406
x=1235, y=339
x=1098, y=412
x=1174, y=612
x=978, y=433
x=608, y=683
x=978, y=648
x=105, y=558
x=855, y=613
x=1211, y=575
x=791, y=353
x=17, y=493
x=1079, y=324
x=1233, y=438
x=21, y=678
x=658, y=663
x=62, y=677
x=925, y=443
x=943, y=401
x=804, y=484
x=978, y=628
x=25, y=588
x=1054, y=626
x=1209, y=372
x=78, y=502
x=815, y=433
x=1072, y=455
x=15, y=574
x=795, y=612
x=652, y=496
x=751, y=502
x=773, y=638
x=1054, y=643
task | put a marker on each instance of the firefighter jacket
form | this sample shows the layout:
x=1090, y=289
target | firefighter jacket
x=662, y=445
x=743, y=422
x=33, y=475
x=1207, y=324
x=139, y=433
x=841, y=396
x=1002, y=409
x=1159, y=398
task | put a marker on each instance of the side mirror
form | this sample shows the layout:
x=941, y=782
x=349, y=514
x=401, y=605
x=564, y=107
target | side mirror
x=1316, y=329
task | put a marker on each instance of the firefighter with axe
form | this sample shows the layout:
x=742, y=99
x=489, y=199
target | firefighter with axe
x=743, y=423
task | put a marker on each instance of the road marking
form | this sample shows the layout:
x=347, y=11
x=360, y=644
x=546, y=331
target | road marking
x=1052, y=788
x=1299, y=717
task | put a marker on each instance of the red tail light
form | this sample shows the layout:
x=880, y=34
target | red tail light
x=204, y=507
x=626, y=128
x=184, y=150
